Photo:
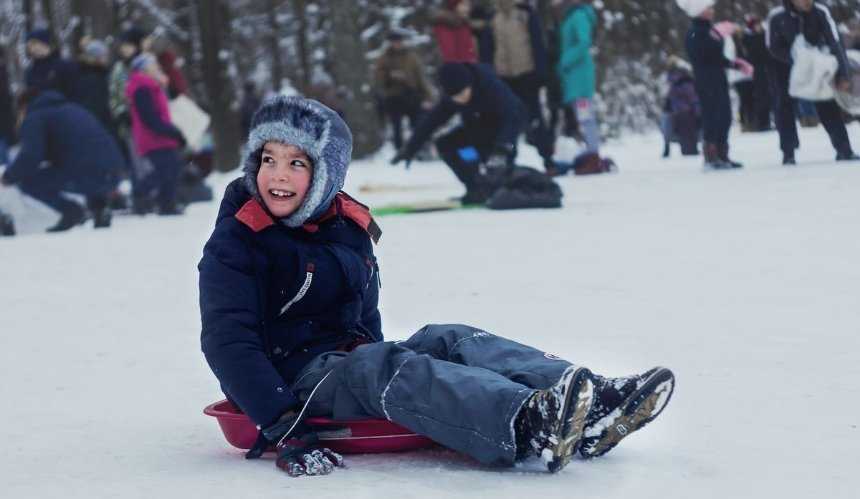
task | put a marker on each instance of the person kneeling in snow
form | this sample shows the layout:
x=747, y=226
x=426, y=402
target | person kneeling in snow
x=289, y=287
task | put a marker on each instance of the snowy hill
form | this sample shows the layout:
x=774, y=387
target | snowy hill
x=744, y=282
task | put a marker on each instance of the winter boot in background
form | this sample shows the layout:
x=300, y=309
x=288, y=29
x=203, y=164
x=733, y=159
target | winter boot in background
x=712, y=157
x=723, y=153
x=788, y=158
x=552, y=421
x=622, y=406
x=71, y=218
x=7, y=226
x=847, y=154
x=101, y=211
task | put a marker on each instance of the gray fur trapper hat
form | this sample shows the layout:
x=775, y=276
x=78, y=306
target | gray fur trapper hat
x=316, y=130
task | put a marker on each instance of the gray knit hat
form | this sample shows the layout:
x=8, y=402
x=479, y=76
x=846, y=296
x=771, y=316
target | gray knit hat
x=316, y=130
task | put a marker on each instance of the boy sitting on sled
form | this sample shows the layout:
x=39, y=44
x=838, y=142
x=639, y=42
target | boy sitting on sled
x=288, y=296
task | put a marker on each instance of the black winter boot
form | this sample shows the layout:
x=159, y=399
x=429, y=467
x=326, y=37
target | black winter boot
x=847, y=155
x=788, y=158
x=71, y=218
x=723, y=152
x=7, y=225
x=622, y=406
x=712, y=157
x=551, y=422
x=101, y=211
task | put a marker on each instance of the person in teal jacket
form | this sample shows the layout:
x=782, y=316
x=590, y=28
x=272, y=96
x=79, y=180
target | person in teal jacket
x=576, y=66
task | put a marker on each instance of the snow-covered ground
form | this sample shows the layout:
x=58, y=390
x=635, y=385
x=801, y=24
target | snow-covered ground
x=744, y=282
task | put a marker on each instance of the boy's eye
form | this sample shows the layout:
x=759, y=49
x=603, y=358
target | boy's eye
x=297, y=162
x=268, y=159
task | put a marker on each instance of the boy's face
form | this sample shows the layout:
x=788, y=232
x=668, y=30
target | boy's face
x=38, y=49
x=284, y=178
x=802, y=5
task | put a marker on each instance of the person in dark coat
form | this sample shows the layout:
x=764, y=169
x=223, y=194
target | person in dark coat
x=48, y=70
x=520, y=60
x=813, y=21
x=452, y=29
x=7, y=111
x=683, y=111
x=755, y=48
x=289, y=291
x=705, y=48
x=81, y=156
x=91, y=89
x=492, y=119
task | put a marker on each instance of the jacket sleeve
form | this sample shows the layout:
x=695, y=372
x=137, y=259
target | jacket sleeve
x=834, y=40
x=370, y=317
x=33, y=141
x=438, y=116
x=576, y=41
x=146, y=110
x=232, y=318
x=777, y=44
x=710, y=49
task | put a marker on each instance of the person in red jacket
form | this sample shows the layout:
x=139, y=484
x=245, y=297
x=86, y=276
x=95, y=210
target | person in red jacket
x=453, y=32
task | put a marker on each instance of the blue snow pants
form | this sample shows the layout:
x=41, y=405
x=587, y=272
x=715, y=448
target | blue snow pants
x=458, y=385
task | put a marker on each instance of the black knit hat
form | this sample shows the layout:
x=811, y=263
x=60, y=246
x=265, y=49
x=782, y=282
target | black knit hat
x=454, y=77
x=133, y=36
x=43, y=35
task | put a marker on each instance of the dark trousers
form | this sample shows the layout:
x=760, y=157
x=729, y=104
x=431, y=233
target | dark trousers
x=450, y=145
x=716, y=114
x=399, y=107
x=746, y=95
x=48, y=184
x=829, y=113
x=527, y=88
x=460, y=386
x=163, y=180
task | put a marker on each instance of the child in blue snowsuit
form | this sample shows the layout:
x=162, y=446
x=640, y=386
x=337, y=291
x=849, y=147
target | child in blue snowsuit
x=289, y=287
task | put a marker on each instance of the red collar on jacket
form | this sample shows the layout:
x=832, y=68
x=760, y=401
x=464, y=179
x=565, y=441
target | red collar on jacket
x=255, y=216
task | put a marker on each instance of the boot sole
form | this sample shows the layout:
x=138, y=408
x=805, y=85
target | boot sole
x=640, y=408
x=577, y=403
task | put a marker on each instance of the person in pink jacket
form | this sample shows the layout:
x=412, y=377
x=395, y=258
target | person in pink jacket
x=155, y=137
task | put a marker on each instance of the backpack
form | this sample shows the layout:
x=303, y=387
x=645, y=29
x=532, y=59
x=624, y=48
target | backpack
x=524, y=187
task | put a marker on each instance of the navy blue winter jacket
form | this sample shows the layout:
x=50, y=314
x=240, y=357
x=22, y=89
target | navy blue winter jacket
x=53, y=73
x=705, y=50
x=272, y=298
x=71, y=140
x=494, y=109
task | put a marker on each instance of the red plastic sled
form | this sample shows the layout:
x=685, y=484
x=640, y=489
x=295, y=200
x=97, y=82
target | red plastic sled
x=366, y=436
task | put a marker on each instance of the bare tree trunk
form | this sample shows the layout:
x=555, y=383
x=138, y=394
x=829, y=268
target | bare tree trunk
x=275, y=45
x=214, y=18
x=299, y=7
x=28, y=15
x=351, y=73
x=96, y=20
x=48, y=12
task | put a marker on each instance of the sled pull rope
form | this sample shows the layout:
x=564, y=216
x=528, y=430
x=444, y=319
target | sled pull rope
x=304, y=408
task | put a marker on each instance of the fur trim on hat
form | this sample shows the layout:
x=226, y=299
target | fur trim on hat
x=316, y=130
x=694, y=8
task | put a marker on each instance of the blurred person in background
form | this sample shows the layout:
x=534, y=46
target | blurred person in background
x=251, y=101
x=453, y=31
x=491, y=116
x=155, y=137
x=682, y=112
x=64, y=148
x=813, y=21
x=7, y=111
x=171, y=66
x=47, y=70
x=91, y=89
x=400, y=82
x=755, y=49
x=520, y=60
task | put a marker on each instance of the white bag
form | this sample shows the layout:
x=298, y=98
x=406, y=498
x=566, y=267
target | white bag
x=812, y=72
x=190, y=120
x=850, y=101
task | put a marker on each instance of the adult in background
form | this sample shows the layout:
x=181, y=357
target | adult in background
x=7, y=114
x=80, y=155
x=813, y=21
x=755, y=48
x=131, y=43
x=520, y=60
x=91, y=89
x=400, y=81
x=577, y=73
x=155, y=137
x=453, y=32
x=48, y=71
x=492, y=118
x=171, y=66
x=706, y=50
